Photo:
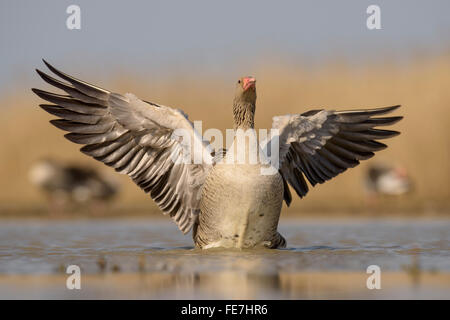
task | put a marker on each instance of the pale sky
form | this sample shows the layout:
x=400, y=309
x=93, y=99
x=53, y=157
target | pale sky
x=152, y=36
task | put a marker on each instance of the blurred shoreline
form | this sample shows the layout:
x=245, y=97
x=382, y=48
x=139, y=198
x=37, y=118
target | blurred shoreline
x=146, y=213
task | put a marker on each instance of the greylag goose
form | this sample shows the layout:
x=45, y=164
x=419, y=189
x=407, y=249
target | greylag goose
x=77, y=184
x=382, y=179
x=226, y=203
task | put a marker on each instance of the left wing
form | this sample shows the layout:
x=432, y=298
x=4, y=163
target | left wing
x=136, y=138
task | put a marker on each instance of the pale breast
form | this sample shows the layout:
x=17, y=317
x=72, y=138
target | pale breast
x=240, y=207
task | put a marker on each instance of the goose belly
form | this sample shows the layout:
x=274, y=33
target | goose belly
x=240, y=207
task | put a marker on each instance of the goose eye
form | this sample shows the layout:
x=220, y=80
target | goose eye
x=239, y=81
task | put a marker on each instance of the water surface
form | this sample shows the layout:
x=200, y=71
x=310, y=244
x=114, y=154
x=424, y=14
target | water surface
x=151, y=248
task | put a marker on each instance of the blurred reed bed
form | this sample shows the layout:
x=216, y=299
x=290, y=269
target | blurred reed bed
x=421, y=86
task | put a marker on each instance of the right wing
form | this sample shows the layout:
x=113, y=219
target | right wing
x=321, y=144
x=136, y=138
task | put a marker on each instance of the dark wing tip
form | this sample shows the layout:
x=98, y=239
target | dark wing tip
x=84, y=87
x=388, y=109
x=46, y=77
x=396, y=119
x=45, y=94
x=392, y=108
x=393, y=133
x=36, y=91
x=369, y=112
x=55, y=71
x=60, y=124
x=47, y=64
x=41, y=73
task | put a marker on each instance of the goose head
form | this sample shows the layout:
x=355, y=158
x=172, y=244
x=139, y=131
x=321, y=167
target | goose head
x=244, y=103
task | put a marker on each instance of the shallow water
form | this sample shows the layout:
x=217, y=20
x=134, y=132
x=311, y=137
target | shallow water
x=43, y=246
x=155, y=247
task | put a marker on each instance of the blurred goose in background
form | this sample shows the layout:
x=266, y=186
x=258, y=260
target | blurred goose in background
x=381, y=179
x=71, y=183
x=225, y=203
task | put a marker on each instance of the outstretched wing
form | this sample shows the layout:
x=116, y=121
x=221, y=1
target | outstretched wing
x=321, y=144
x=135, y=138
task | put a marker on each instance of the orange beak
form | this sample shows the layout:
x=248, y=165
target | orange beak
x=249, y=82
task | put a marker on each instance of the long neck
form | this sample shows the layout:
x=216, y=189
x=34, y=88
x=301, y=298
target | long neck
x=244, y=114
